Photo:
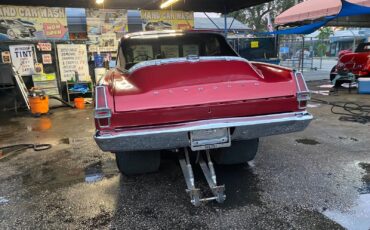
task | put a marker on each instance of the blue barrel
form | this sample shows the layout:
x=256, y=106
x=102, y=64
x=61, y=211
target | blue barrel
x=99, y=60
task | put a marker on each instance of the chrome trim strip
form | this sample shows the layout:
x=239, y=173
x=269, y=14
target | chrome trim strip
x=215, y=123
x=301, y=91
x=105, y=97
x=182, y=60
x=297, y=75
x=97, y=109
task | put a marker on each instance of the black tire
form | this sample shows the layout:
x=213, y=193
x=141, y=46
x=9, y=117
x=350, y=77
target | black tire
x=240, y=152
x=138, y=162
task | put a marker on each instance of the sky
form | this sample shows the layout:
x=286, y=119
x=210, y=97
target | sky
x=202, y=15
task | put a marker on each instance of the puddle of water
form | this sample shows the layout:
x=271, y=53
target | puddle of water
x=321, y=92
x=358, y=217
x=348, y=85
x=98, y=171
x=52, y=175
x=41, y=124
x=94, y=173
x=307, y=141
x=326, y=86
x=313, y=105
x=365, y=189
x=3, y=200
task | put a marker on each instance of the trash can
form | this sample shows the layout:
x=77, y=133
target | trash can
x=364, y=85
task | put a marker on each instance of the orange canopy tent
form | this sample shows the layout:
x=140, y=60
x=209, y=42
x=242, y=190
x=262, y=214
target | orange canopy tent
x=312, y=10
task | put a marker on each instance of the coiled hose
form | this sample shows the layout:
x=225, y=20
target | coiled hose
x=353, y=112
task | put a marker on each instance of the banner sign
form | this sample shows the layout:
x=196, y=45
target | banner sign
x=23, y=57
x=167, y=20
x=105, y=27
x=72, y=59
x=27, y=22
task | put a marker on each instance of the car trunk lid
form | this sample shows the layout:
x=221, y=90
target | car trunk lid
x=205, y=83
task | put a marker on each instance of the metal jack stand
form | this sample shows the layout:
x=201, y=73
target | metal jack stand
x=210, y=175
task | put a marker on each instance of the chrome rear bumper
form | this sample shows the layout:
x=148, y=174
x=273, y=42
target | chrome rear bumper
x=177, y=135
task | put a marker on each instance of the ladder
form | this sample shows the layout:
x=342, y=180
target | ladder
x=22, y=87
x=210, y=175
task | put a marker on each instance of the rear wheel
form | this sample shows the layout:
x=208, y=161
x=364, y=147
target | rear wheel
x=138, y=162
x=239, y=152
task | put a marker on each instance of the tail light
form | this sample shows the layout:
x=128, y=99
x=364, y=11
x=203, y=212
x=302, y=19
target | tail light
x=102, y=113
x=303, y=93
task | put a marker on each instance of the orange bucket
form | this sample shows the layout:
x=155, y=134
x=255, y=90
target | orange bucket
x=79, y=103
x=39, y=105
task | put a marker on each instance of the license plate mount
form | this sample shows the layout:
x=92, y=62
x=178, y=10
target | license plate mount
x=210, y=139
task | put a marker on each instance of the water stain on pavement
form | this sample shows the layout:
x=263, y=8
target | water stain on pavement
x=313, y=105
x=9, y=128
x=365, y=189
x=3, y=200
x=350, y=138
x=307, y=141
x=241, y=185
x=41, y=124
x=358, y=216
x=321, y=92
x=98, y=171
x=65, y=141
x=53, y=174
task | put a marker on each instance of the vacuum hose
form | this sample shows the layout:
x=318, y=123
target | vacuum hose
x=64, y=102
x=16, y=148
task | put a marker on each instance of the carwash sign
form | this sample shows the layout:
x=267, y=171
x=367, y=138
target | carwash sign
x=20, y=22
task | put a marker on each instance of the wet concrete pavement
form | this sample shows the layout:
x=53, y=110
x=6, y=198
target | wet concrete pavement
x=316, y=179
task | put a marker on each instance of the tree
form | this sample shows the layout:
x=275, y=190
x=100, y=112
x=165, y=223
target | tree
x=254, y=16
x=323, y=35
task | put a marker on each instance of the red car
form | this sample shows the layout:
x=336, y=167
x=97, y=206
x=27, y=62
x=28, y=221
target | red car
x=177, y=91
x=351, y=65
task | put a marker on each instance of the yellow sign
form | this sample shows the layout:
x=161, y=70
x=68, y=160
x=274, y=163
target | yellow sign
x=254, y=44
x=167, y=20
x=27, y=22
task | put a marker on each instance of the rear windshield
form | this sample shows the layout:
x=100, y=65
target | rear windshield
x=140, y=49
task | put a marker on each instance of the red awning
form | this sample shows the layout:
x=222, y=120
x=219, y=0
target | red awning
x=313, y=9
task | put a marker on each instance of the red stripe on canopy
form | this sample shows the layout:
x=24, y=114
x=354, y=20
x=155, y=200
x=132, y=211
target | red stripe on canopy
x=313, y=9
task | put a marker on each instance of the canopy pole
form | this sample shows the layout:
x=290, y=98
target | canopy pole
x=225, y=19
x=277, y=43
x=212, y=21
x=302, y=53
x=231, y=24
